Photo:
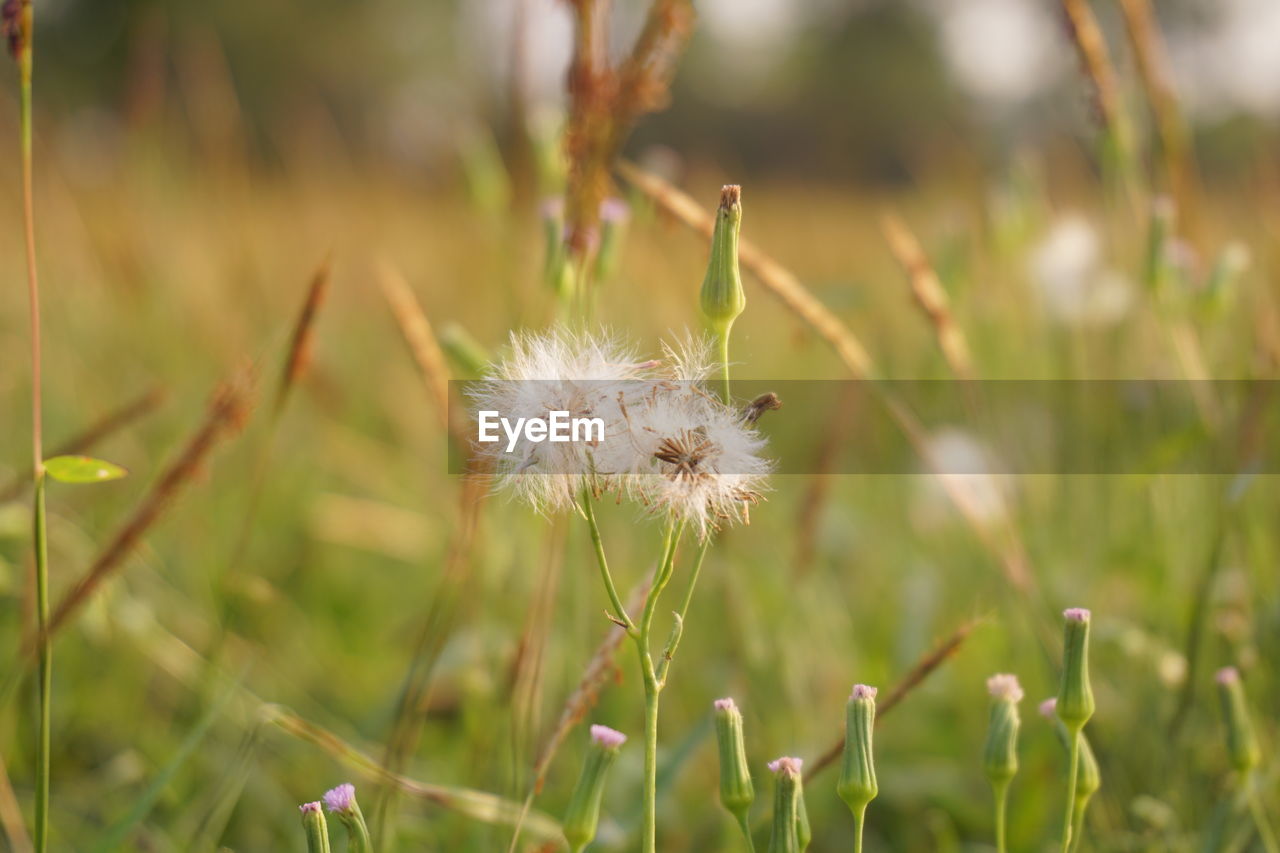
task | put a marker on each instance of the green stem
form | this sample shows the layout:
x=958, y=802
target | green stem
x=653, y=687
x=1265, y=833
x=46, y=670
x=620, y=612
x=745, y=825
x=1071, y=788
x=859, y=819
x=1002, y=802
x=722, y=339
x=1077, y=825
x=669, y=652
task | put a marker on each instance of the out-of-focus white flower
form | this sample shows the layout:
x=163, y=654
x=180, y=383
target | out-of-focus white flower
x=1073, y=283
x=1003, y=51
x=964, y=470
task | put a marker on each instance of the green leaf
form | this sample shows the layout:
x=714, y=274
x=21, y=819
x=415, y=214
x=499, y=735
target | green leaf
x=82, y=469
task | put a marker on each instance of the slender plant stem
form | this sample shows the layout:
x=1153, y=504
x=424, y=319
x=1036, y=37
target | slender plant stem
x=665, y=663
x=859, y=819
x=722, y=339
x=653, y=687
x=1265, y=833
x=45, y=651
x=1002, y=802
x=1071, y=789
x=43, y=752
x=620, y=611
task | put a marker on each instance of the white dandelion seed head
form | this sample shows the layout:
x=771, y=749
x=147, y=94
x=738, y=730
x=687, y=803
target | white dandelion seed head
x=695, y=458
x=589, y=376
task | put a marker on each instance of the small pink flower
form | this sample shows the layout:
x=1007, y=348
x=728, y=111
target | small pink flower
x=1076, y=614
x=1005, y=686
x=786, y=764
x=614, y=210
x=1049, y=708
x=863, y=691
x=607, y=737
x=341, y=798
x=1227, y=675
x=726, y=704
x=309, y=807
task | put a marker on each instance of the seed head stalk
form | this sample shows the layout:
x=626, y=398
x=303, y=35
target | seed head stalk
x=20, y=28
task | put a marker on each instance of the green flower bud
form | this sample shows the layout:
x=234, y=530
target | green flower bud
x=736, y=791
x=857, y=785
x=1088, y=776
x=1242, y=743
x=785, y=837
x=614, y=213
x=317, y=830
x=583, y=815
x=804, y=832
x=1075, y=696
x=723, y=298
x=1000, y=757
x=557, y=271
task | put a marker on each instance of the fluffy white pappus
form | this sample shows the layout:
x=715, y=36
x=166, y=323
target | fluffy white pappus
x=587, y=376
x=693, y=457
x=1075, y=286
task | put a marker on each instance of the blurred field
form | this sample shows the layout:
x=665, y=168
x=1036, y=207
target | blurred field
x=174, y=269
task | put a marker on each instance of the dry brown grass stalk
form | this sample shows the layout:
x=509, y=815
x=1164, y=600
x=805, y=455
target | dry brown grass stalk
x=605, y=102
x=424, y=348
x=11, y=815
x=1095, y=61
x=924, y=667
x=929, y=294
x=1153, y=69
x=227, y=413
x=302, y=341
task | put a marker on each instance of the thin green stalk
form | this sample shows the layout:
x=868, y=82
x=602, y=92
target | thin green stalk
x=722, y=340
x=1067, y=820
x=653, y=688
x=665, y=663
x=23, y=54
x=1002, y=802
x=44, y=748
x=745, y=825
x=1265, y=833
x=620, y=611
x=859, y=820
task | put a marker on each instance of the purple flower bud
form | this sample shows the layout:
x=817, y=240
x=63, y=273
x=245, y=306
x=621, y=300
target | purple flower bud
x=1049, y=708
x=725, y=704
x=863, y=691
x=552, y=208
x=341, y=798
x=1076, y=614
x=1005, y=686
x=1227, y=675
x=309, y=807
x=786, y=764
x=607, y=737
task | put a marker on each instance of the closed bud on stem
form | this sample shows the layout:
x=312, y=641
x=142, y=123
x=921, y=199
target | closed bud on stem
x=785, y=837
x=1159, y=237
x=857, y=785
x=1088, y=776
x=723, y=298
x=614, y=213
x=1000, y=757
x=583, y=815
x=314, y=825
x=804, y=832
x=737, y=793
x=341, y=801
x=1242, y=743
x=557, y=270
x=1075, y=696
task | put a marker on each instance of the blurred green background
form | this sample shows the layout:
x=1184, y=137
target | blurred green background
x=197, y=162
